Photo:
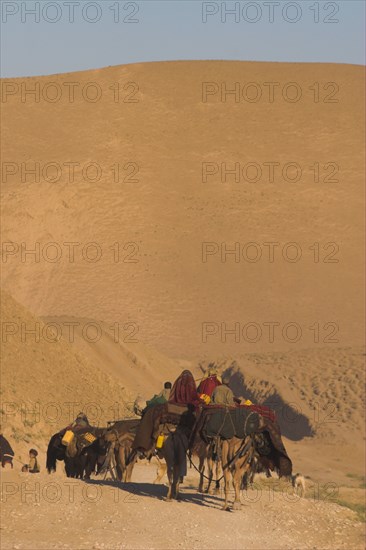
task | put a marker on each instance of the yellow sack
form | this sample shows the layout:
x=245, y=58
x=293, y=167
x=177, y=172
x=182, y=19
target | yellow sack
x=248, y=402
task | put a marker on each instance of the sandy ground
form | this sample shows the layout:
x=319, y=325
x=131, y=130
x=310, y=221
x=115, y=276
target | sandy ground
x=52, y=512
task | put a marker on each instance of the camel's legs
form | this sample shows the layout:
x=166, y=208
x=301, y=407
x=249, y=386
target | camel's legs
x=161, y=471
x=227, y=473
x=170, y=485
x=237, y=475
x=201, y=468
x=210, y=474
x=176, y=480
x=239, y=472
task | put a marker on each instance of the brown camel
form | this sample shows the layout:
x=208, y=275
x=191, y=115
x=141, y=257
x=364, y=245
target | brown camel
x=121, y=436
x=241, y=455
x=237, y=457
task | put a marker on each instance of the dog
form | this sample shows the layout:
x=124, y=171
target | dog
x=298, y=484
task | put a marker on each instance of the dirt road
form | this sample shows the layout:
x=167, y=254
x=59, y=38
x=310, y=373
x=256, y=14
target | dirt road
x=47, y=512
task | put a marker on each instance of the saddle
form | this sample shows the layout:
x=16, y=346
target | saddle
x=228, y=422
x=172, y=414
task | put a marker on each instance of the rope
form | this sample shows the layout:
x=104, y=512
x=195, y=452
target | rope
x=201, y=473
x=242, y=449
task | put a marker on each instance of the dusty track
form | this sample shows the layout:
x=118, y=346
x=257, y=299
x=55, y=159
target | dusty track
x=136, y=516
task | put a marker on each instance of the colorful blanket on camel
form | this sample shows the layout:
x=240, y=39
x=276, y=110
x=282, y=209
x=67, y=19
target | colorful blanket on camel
x=264, y=411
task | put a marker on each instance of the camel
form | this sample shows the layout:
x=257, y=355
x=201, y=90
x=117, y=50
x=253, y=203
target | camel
x=237, y=457
x=121, y=436
x=260, y=450
x=207, y=451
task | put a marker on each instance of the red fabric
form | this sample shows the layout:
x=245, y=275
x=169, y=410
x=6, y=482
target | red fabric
x=184, y=390
x=208, y=385
x=264, y=411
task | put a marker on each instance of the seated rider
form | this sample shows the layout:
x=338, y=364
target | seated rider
x=184, y=390
x=223, y=395
x=159, y=398
x=209, y=382
x=165, y=392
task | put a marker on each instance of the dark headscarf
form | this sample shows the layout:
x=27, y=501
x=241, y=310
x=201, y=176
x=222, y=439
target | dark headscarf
x=5, y=447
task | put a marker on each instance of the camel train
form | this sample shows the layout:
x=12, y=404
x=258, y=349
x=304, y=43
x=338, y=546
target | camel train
x=234, y=439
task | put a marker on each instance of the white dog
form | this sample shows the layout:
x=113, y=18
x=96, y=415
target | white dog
x=298, y=483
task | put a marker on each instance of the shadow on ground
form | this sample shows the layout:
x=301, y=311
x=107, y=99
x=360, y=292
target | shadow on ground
x=135, y=490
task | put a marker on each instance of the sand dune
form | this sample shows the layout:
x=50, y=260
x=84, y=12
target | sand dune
x=168, y=127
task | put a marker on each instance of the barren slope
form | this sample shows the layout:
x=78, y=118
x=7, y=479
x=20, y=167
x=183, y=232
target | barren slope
x=45, y=382
x=162, y=124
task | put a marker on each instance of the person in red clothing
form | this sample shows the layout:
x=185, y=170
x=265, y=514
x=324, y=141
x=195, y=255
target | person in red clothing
x=209, y=382
x=184, y=390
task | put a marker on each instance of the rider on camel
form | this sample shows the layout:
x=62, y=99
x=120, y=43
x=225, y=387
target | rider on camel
x=223, y=395
x=209, y=382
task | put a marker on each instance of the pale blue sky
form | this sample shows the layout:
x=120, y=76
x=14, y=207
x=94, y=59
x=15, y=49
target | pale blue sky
x=175, y=29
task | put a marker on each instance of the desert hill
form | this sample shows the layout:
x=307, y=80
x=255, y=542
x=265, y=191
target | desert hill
x=166, y=127
x=186, y=213
x=317, y=394
x=45, y=382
